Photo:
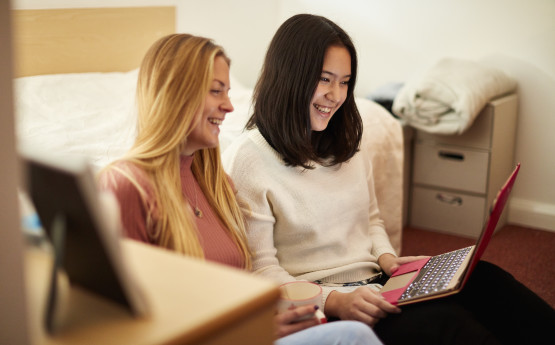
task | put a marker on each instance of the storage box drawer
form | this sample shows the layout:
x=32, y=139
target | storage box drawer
x=458, y=214
x=480, y=134
x=450, y=167
x=477, y=136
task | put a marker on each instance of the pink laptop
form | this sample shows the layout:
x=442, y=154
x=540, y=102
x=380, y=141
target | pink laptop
x=445, y=274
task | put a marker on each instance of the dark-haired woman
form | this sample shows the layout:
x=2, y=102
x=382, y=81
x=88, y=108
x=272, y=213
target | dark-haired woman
x=313, y=213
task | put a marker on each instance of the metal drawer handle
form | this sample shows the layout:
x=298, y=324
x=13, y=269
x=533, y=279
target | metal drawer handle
x=449, y=199
x=451, y=155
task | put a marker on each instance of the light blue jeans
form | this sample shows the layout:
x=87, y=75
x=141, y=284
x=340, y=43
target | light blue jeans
x=333, y=333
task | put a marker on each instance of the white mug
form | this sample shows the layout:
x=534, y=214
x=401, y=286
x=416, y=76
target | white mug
x=300, y=293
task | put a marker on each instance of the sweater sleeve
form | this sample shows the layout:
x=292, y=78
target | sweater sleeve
x=261, y=243
x=380, y=239
x=251, y=193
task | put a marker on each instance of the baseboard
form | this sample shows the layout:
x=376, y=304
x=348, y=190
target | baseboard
x=532, y=214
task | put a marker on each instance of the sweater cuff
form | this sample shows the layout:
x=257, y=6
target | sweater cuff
x=384, y=250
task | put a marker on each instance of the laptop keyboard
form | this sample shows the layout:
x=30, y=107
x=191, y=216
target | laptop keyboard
x=436, y=274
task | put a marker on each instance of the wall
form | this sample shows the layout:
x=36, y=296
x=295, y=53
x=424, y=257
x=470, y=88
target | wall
x=243, y=27
x=13, y=328
x=395, y=40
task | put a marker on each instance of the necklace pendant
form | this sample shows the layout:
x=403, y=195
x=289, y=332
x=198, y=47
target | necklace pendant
x=198, y=212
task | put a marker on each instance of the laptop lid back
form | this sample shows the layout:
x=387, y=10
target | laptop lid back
x=495, y=213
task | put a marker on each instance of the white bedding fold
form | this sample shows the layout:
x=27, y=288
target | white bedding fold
x=449, y=96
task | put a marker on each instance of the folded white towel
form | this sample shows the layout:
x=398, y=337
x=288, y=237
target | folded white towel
x=449, y=96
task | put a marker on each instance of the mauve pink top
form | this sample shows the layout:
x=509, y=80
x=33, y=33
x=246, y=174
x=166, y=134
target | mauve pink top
x=215, y=240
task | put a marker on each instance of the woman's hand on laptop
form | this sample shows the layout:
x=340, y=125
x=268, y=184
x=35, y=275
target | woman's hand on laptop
x=363, y=304
x=390, y=263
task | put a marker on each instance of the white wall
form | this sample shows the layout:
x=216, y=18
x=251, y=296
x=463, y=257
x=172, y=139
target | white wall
x=243, y=27
x=395, y=40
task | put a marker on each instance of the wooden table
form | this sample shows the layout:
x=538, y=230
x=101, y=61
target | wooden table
x=191, y=302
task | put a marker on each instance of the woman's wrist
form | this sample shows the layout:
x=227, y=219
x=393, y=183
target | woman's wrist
x=330, y=308
x=386, y=261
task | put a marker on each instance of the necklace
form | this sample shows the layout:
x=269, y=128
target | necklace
x=197, y=210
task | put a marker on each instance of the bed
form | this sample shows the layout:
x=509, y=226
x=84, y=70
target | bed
x=74, y=87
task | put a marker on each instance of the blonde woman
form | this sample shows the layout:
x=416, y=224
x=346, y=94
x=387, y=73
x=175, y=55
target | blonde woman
x=171, y=186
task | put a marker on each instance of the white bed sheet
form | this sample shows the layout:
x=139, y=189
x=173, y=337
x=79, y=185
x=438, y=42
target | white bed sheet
x=94, y=115
x=85, y=114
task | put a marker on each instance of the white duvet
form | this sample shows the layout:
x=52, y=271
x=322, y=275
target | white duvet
x=94, y=115
x=85, y=114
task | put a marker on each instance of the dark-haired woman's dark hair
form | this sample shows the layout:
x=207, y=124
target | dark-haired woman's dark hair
x=283, y=93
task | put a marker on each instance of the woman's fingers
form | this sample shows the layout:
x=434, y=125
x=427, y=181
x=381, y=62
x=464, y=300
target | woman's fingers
x=295, y=313
x=377, y=301
x=284, y=330
x=288, y=322
x=373, y=307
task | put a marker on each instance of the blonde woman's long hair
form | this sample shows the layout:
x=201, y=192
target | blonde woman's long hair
x=174, y=78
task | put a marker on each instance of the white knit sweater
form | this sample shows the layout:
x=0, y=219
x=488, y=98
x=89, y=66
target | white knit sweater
x=320, y=224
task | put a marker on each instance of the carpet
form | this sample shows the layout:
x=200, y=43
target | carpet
x=528, y=254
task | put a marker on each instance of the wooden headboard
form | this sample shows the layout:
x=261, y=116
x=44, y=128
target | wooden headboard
x=87, y=39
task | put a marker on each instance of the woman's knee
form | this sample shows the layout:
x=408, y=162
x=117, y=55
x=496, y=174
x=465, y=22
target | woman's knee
x=333, y=333
x=361, y=333
x=490, y=274
x=350, y=332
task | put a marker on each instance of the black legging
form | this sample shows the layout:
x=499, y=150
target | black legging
x=492, y=308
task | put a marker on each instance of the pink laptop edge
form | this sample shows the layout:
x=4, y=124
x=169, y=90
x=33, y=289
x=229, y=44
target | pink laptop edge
x=499, y=203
